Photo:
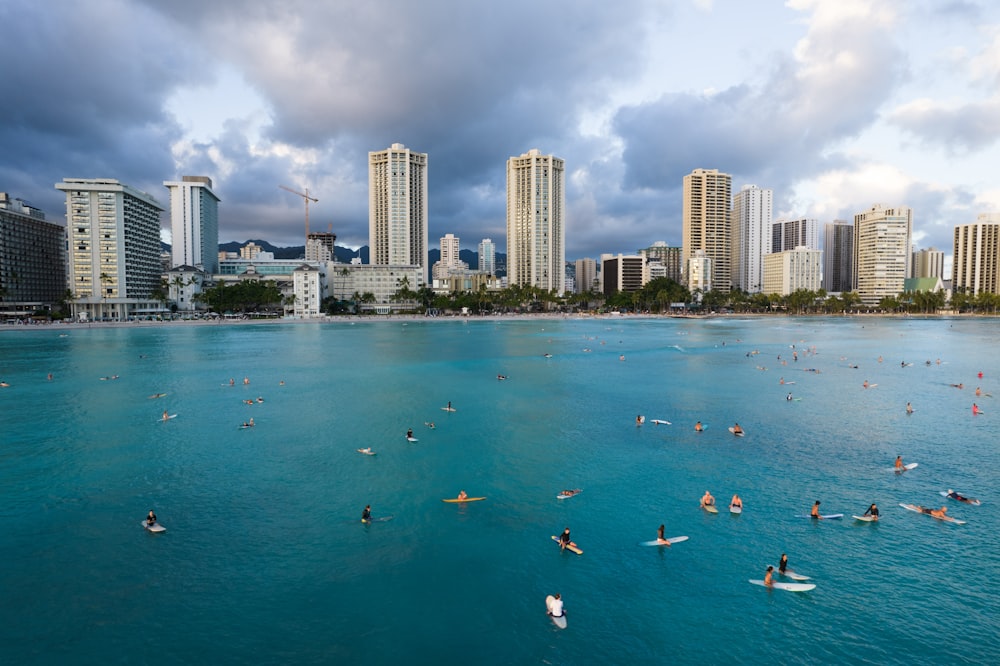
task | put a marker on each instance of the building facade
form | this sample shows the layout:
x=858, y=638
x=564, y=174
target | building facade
x=699, y=274
x=752, y=219
x=585, y=278
x=32, y=258
x=975, y=265
x=450, y=261
x=791, y=270
x=194, y=223
x=623, y=273
x=114, y=248
x=927, y=263
x=308, y=284
x=790, y=234
x=487, y=257
x=882, y=240
x=536, y=230
x=838, y=257
x=320, y=246
x=397, y=207
x=669, y=257
x=707, y=226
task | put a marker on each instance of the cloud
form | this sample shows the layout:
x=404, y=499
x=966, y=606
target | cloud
x=959, y=128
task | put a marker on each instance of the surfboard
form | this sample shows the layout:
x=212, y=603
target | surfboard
x=867, y=519
x=448, y=409
x=367, y=453
x=455, y=500
x=946, y=519
x=736, y=510
x=967, y=500
x=571, y=546
x=558, y=621
x=906, y=468
x=711, y=508
x=661, y=422
x=155, y=527
x=733, y=430
x=412, y=439
x=657, y=542
x=169, y=416
x=789, y=587
x=156, y=395
x=790, y=574
x=381, y=519
x=563, y=496
x=832, y=516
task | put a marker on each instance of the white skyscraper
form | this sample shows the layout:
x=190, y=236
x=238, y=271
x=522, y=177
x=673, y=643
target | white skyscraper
x=397, y=207
x=194, y=223
x=707, y=226
x=536, y=231
x=976, y=265
x=450, y=261
x=488, y=257
x=882, y=241
x=752, y=212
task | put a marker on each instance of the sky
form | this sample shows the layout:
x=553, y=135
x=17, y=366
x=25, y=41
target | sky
x=836, y=105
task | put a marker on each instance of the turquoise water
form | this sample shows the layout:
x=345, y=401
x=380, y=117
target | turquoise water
x=265, y=560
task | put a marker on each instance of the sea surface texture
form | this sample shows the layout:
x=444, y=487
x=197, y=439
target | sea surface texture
x=266, y=561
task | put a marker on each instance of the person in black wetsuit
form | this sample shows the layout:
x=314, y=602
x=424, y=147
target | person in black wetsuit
x=564, y=539
x=783, y=563
x=872, y=511
x=366, y=515
x=151, y=518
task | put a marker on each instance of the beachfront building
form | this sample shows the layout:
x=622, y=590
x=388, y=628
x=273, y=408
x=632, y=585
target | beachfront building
x=882, y=241
x=928, y=263
x=975, y=265
x=791, y=270
x=32, y=259
x=751, y=225
x=308, y=284
x=585, y=277
x=320, y=246
x=622, y=273
x=114, y=248
x=838, y=257
x=667, y=256
x=375, y=286
x=487, y=257
x=707, y=226
x=536, y=225
x=397, y=207
x=184, y=283
x=699, y=274
x=194, y=223
x=790, y=234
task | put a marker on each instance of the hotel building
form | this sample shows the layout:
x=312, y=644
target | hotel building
x=194, y=223
x=882, y=241
x=707, y=226
x=752, y=212
x=976, y=263
x=536, y=230
x=397, y=207
x=32, y=258
x=838, y=256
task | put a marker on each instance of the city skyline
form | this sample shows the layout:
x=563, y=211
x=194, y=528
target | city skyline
x=832, y=104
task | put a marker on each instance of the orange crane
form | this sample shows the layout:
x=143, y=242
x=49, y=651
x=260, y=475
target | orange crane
x=305, y=197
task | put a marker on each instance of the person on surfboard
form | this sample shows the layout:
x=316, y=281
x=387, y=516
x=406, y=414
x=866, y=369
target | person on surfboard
x=564, y=539
x=659, y=535
x=366, y=515
x=956, y=496
x=871, y=511
x=737, y=430
x=899, y=464
x=783, y=563
x=698, y=427
x=768, y=576
x=151, y=518
x=736, y=502
x=556, y=609
x=409, y=433
x=166, y=416
x=462, y=495
x=814, y=513
x=707, y=499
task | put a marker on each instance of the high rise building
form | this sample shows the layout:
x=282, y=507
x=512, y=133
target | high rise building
x=536, y=224
x=788, y=271
x=487, y=257
x=975, y=265
x=194, y=223
x=321, y=246
x=882, y=240
x=752, y=211
x=450, y=261
x=928, y=263
x=670, y=257
x=397, y=207
x=838, y=256
x=790, y=234
x=32, y=258
x=622, y=273
x=114, y=248
x=707, y=225
x=586, y=275
x=699, y=274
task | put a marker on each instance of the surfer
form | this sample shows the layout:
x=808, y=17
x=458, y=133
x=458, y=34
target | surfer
x=909, y=408
x=232, y=382
x=783, y=563
x=865, y=384
x=940, y=513
x=166, y=417
x=871, y=511
x=698, y=427
x=462, y=495
x=659, y=535
x=639, y=419
x=707, y=499
x=975, y=409
x=556, y=608
x=736, y=502
x=409, y=434
x=814, y=513
x=979, y=391
x=501, y=377
x=899, y=466
x=956, y=496
x=958, y=386
x=151, y=518
x=737, y=430
x=564, y=539
x=768, y=576
x=568, y=493
x=429, y=424
x=788, y=397
x=366, y=515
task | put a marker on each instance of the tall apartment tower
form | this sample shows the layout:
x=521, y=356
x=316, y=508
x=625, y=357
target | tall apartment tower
x=882, y=240
x=838, y=256
x=397, y=207
x=536, y=225
x=668, y=256
x=790, y=234
x=752, y=213
x=32, y=258
x=975, y=266
x=585, y=275
x=114, y=248
x=450, y=260
x=707, y=225
x=194, y=223
x=487, y=257
x=928, y=263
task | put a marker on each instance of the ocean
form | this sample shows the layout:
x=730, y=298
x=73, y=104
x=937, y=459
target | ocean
x=265, y=559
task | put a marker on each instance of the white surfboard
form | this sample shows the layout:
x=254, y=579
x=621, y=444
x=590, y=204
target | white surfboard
x=789, y=587
x=671, y=541
x=735, y=510
x=945, y=519
x=448, y=409
x=412, y=439
x=906, y=468
x=661, y=422
x=967, y=500
x=558, y=621
x=573, y=494
x=790, y=574
x=155, y=527
x=169, y=416
x=368, y=452
x=824, y=516
x=867, y=519
x=733, y=430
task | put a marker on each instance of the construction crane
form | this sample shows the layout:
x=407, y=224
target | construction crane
x=306, y=198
